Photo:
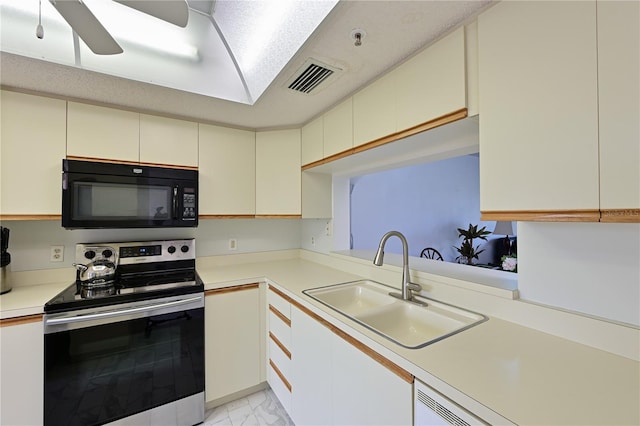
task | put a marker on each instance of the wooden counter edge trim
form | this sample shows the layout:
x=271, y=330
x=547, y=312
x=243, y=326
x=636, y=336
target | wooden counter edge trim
x=130, y=162
x=280, y=315
x=30, y=217
x=279, y=344
x=428, y=125
x=231, y=289
x=620, y=215
x=7, y=322
x=281, y=294
x=542, y=215
x=394, y=368
x=280, y=375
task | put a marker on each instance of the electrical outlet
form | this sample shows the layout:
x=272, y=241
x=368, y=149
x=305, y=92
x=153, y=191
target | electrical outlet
x=313, y=241
x=233, y=244
x=56, y=254
x=328, y=229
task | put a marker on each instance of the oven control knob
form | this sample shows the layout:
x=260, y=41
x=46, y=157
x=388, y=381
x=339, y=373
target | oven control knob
x=107, y=253
x=89, y=254
x=171, y=249
x=184, y=249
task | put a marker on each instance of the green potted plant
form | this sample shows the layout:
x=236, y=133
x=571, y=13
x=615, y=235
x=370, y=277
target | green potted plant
x=467, y=251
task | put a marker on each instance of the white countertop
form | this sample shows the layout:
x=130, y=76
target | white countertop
x=525, y=376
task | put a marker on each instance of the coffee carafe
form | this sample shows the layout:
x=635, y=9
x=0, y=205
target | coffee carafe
x=5, y=261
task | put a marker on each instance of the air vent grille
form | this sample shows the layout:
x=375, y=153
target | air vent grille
x=310, y=76
x=440, y=410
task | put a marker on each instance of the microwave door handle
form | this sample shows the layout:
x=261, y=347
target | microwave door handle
x=175, y=202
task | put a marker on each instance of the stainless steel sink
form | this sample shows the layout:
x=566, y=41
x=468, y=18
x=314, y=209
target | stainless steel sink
x=404, y=323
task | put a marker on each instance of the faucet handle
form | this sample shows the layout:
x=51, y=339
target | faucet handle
x=414, y=287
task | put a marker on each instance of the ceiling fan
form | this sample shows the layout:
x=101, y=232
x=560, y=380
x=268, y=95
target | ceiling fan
x=97, y=38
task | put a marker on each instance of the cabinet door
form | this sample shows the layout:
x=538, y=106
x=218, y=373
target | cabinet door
x=365, y=392
x=22, y=372
x=374, y=110
x=312, y=141
x=33, y=146
x=168, y=141
x=432, y=83
x=227, y=171
x=338, y=128
x=311, y=371
x=232, y=341
x=538, y=97
x=619, y=103
x=278, y=177
x=103, y=133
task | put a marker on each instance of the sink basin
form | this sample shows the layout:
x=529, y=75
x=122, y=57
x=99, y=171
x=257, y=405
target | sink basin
x=404, y=323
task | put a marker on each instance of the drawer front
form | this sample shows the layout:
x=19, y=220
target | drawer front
x=280, y=329
x=279, y=388
x=280, y=359
x=278, y=302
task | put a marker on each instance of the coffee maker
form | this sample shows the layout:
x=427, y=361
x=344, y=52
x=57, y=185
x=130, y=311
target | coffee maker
x=5, y=262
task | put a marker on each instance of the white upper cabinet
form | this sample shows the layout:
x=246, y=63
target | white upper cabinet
x=312, y=141
x=168, y=141
x=33, y=145
x=338, y=128
x=432, y=83
x=538, y=110
x=102, y=133
x=374, y=110
x=227, y=171
x=278, y=177
x=619, y=109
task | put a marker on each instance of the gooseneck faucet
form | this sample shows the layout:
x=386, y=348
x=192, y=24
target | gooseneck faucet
x=407, y=286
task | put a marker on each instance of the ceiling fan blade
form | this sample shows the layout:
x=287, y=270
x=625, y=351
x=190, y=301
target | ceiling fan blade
x=173, y=11
x=88, y=28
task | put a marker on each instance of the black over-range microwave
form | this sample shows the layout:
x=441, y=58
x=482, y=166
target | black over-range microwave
x=107, y=195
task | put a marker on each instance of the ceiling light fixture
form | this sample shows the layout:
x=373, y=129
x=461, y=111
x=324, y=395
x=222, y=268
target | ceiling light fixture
x=358, y=35
x=39, y=29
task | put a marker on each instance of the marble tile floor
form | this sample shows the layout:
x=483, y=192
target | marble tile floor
x=260, y=408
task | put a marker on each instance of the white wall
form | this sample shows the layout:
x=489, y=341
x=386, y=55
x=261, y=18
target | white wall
x=30, y=241
x=593, y=268
x=426, y=202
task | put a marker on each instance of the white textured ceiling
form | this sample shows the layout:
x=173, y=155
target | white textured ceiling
x=394, y=31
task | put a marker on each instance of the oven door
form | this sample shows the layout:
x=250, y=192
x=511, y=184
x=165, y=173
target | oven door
x=141, y=358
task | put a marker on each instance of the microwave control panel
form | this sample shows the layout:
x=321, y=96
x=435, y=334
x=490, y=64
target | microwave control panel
x=188, y=204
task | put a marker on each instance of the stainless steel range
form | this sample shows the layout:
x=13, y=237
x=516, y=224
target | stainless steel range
x=125, y=341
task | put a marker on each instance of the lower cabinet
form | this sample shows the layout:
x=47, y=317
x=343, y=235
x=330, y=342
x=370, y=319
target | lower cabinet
x=337, y=381
x=22, y=371
x=233, y=334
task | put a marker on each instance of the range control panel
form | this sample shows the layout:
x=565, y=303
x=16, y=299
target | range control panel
x=128, y=253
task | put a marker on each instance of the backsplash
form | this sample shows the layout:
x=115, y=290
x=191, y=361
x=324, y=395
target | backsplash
x=31, y=241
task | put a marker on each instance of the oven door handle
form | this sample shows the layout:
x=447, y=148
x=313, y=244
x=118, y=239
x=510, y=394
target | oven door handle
x=121, y=312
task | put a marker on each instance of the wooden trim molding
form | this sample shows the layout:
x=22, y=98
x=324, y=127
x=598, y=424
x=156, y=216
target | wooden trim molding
x=280, y=345
x=280, y=315
x=231, y=289
x=8, y=322
x=428, y=125
x=391, y=366
x=226, y=216
x=620, y=215
x=543, y=215
x=30, y=217
x=281, y=294
x=279, y=373
x=132, y=163
x=278, y=216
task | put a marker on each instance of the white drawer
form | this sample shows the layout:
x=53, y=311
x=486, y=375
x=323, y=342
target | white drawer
x=280, y=359
x=278, y=302
x=280, y=389
x=280, y=329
